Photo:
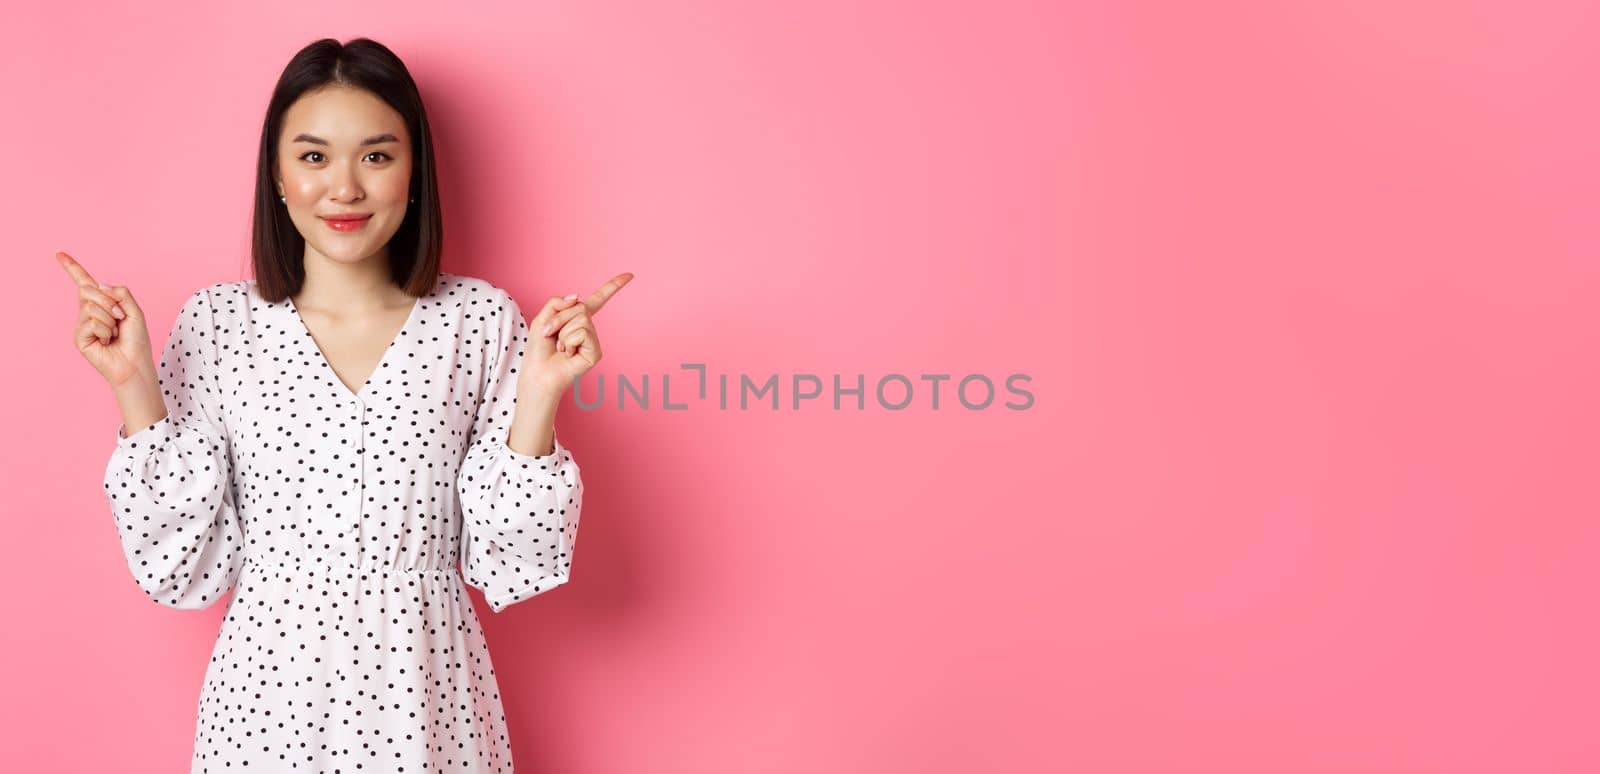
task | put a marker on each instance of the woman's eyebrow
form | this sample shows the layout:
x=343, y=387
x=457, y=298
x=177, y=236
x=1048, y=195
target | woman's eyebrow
x=373, y=140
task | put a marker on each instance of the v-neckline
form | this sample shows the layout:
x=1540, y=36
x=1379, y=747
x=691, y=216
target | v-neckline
x=333, y=374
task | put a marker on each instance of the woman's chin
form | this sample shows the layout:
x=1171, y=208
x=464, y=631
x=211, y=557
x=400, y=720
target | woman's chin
x=345, y=253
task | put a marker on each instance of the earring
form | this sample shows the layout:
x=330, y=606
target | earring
x=283, y=199
x=413, y=200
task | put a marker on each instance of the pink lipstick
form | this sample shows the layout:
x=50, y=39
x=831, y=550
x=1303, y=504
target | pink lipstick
x=346, y=222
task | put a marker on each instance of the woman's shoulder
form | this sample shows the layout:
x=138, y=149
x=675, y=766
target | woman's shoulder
x=218, y=293
x=468, y=284
x=475, y=293
x=208, y=299
x=228, y=302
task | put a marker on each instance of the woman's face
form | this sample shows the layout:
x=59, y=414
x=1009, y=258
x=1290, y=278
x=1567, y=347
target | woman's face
x=344, y=151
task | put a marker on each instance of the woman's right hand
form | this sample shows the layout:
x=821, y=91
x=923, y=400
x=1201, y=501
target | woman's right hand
x=111, y=330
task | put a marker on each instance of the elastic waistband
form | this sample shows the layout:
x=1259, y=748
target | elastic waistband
x=343, y=569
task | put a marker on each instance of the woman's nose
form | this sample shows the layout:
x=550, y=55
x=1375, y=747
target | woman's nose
x=344, y=186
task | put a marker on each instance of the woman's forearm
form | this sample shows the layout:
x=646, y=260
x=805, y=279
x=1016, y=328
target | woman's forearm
x=139, y=398
x=533, y=426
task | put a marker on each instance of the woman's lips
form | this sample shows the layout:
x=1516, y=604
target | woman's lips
x=347, y=224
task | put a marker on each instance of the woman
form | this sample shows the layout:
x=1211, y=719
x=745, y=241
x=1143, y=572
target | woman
x=334, y=438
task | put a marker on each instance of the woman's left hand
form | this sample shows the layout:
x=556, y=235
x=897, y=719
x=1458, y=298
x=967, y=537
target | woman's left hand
x=562, y=342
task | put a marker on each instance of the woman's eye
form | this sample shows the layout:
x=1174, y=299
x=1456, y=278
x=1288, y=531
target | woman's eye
x=378, y=153
x=309, y=153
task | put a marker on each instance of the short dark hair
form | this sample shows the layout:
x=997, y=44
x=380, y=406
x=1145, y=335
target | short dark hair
x=277, y=248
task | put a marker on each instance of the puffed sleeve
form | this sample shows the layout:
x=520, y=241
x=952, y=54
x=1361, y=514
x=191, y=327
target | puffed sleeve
x=519, y=512
x=168, y=484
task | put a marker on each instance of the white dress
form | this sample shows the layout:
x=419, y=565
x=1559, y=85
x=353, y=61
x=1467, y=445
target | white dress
x=339, y=519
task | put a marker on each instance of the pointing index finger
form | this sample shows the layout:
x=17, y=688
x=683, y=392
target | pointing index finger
x=599, y=298
x=79, y=275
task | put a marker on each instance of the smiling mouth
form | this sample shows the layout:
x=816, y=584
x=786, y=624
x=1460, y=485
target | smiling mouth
x=347, y=224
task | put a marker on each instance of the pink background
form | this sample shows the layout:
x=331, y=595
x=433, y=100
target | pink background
x=1306, y=295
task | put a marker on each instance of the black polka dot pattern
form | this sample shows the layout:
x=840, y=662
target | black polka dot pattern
x=347, y=524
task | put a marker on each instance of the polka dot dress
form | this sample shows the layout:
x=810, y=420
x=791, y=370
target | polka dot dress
x=340, y=519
